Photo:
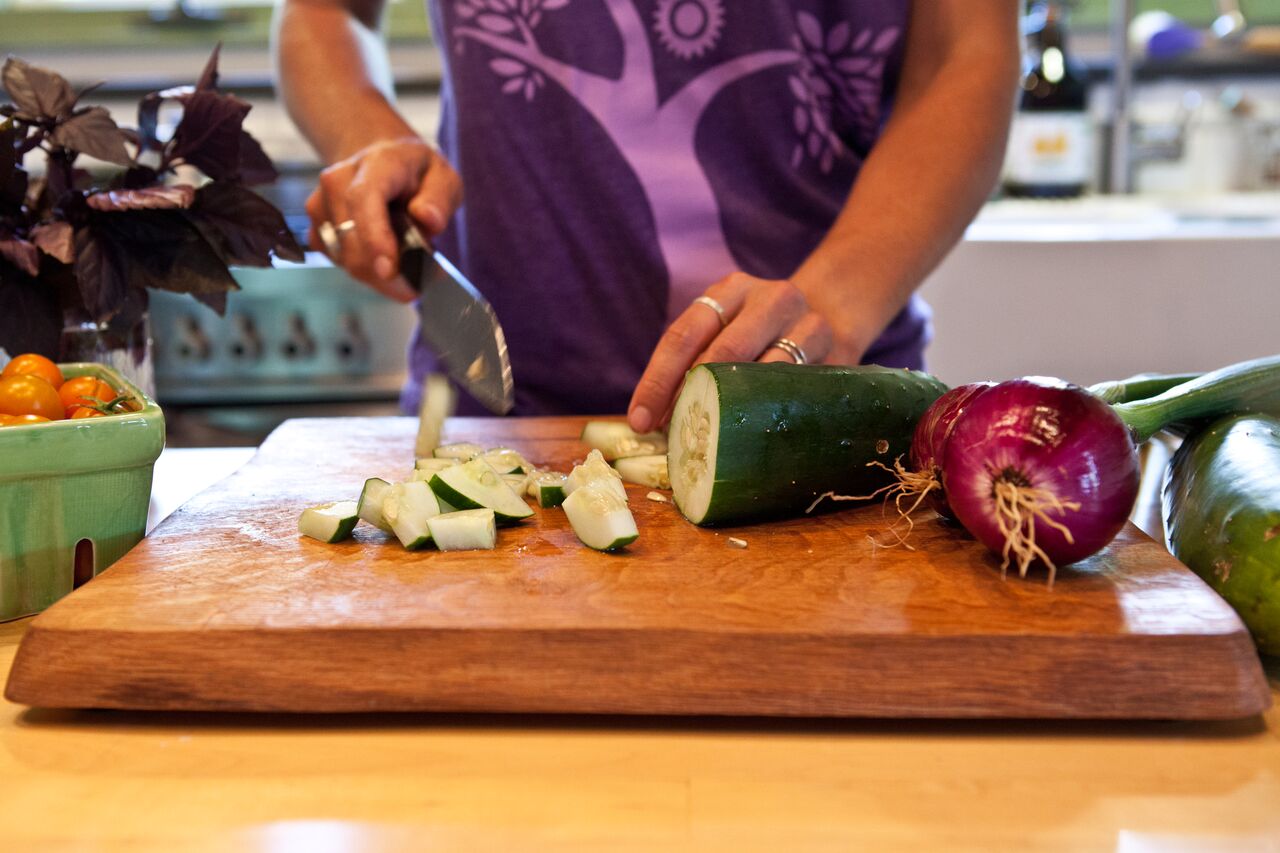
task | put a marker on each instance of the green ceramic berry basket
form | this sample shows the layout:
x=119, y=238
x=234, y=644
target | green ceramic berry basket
x=73, y=486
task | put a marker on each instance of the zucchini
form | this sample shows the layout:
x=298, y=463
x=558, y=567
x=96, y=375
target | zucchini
x=475, y=485
x=648, y=471
x=1221, y=504
x=369, y=507
x=593, y=469
x=465, y=530
x=1248, y=386
x=616, y=440
x=750, y=441
x=600, y=519
x=407, y=507
x=330, y=522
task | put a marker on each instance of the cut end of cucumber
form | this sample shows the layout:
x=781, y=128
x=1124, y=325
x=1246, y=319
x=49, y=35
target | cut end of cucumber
x=467, y=530
x=691, y=453
x=462, y=451
x=369, y=507
x=599, y=518
x=331, y=522
x=407, y=507
x=547, y=487
x=595, y=470
x=616, y=440
x=648, y=471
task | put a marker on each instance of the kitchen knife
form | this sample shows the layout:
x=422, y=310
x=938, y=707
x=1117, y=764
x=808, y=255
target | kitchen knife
x=459, y=325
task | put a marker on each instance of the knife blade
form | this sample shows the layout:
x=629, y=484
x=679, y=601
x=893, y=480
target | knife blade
x=459, y=325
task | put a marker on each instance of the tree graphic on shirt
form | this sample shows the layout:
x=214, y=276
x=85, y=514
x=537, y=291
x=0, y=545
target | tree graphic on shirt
x=838, y=70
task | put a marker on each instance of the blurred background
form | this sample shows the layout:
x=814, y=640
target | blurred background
x=1137, y=227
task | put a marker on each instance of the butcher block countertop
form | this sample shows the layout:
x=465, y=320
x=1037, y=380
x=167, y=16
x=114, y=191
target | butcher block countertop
x=196, y=781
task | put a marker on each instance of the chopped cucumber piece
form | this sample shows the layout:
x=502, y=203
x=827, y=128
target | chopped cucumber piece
x=467, y=530
x=370, y=506
x=547, y=487
x=432, y=464
x=592, y=469
x=439, y=399
x=616, y=440
x=462, y=451
x=644, y=471
x=408, y=507
x=599, y=518
x=330, y=522
x=475, y=485
x=518, y=482
x=506, y=461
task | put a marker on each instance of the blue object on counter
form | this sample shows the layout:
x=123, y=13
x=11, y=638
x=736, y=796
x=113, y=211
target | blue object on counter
x=1174, y=41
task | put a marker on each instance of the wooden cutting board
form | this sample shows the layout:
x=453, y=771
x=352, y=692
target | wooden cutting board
x=225, y=607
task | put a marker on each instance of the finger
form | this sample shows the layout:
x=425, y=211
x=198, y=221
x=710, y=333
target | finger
x=770, y=308
x=318, y=212
x=811, y=333
x=679, y=346
x=369, y=194
x=435, y=202
x=330, y=205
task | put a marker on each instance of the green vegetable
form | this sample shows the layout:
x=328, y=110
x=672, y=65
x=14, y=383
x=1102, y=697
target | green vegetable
x=330, y=522
x=1139, y=387
x=1249, y=386
x=1222, y=512
x=465, y=530
x=475, y=485
x=751, y=441
x=369, y=506
x=600, y=518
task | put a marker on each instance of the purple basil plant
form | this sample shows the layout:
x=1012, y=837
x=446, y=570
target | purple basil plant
x=84, y=245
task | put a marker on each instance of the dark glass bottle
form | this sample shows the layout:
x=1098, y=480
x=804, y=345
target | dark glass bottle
x=1049, y=144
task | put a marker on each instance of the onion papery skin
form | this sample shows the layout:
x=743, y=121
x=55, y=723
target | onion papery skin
x=931, y=434
x=1054, y=436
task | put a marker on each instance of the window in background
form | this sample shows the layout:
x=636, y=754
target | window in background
x=1095, y=14
x=27, y=25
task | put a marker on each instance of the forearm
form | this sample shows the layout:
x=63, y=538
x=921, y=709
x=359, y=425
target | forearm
x=334, y=77
x=925, y=179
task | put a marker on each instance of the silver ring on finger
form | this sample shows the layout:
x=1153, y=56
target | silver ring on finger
x=330, y=235
x=791, y=348
x=716, y=307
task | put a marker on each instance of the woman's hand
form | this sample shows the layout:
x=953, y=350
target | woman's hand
x=757, y=312
x=361, y=188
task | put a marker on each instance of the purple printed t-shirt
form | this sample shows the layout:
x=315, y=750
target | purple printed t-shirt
x=620, y=156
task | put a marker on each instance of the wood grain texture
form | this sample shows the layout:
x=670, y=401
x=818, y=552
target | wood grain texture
x=224, y=606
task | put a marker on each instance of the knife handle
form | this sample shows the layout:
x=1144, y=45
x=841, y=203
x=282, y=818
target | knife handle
x=409, y=235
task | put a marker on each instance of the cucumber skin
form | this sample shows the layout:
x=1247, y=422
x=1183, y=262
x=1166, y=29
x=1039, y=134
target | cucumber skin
x=789, y=433
x=1221, y=505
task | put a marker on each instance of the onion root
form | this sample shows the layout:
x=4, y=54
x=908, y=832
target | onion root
x=1017, y=509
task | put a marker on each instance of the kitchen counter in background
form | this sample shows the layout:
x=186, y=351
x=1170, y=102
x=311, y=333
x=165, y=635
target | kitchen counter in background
x=1105, y=287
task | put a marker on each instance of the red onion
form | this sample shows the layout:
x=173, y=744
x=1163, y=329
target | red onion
x=1039, y=469
x=930, y=440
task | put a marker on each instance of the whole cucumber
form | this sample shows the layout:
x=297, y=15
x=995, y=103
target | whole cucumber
x=1221, y=505
x=750, y=441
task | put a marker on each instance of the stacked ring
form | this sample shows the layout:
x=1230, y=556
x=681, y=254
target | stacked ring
x=791, y=348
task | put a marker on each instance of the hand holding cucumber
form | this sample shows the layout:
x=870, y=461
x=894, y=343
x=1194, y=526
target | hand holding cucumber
x=740, y=318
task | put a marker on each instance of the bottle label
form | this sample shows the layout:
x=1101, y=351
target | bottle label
x=1048, y=148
